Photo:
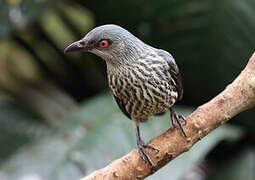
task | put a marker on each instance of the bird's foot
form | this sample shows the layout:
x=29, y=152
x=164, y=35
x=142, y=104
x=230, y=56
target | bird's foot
x=141, y=146
x=177, y=121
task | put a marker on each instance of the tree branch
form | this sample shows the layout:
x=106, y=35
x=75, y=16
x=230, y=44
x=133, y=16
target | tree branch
x=237, y=97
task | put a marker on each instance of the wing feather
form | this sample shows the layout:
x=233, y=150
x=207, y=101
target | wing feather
x=121, y=106
x=174, y=71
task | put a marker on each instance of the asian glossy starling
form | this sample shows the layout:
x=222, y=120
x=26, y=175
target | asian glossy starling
x=144, y=80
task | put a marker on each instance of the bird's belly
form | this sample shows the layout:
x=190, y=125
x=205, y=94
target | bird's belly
x=144, y=99
x=140, y=109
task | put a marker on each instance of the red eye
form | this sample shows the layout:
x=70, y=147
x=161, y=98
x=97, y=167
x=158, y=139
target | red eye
x=104, y=43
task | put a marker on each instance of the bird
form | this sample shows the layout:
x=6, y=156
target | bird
x=144, y=80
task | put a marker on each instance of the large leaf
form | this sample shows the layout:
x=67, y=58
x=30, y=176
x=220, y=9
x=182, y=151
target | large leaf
x=97, y=134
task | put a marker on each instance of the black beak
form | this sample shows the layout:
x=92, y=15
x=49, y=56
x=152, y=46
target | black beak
x=76, y=46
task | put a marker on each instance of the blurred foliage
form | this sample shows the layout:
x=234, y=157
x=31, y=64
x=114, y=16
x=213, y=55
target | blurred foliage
x=87, y=144
x=45, y=116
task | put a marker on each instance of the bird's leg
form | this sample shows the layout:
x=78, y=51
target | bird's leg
x=177, y=120
x=141, y=145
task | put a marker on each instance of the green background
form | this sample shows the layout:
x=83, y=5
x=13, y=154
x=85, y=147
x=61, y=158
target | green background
x=58, y=119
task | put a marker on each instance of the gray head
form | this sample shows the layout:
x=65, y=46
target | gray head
x=111, y=42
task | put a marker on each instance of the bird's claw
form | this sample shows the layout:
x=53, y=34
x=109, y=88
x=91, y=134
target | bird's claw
x=177, y=121
x=141, y=146
x=142, y=143
x=181, y=118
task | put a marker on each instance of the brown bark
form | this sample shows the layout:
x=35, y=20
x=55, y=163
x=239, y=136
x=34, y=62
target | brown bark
x=237, y=97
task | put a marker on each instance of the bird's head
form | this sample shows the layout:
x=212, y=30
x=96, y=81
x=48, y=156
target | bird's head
x=111, y=42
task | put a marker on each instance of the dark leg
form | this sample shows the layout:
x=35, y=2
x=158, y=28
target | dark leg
x=177, y=120
x=141, y=145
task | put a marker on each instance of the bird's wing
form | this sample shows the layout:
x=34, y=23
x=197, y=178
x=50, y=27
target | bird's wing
x=174, y=71
x=121, y=106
